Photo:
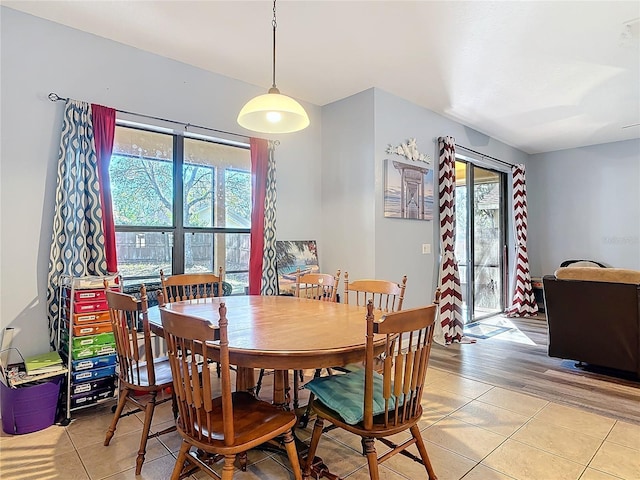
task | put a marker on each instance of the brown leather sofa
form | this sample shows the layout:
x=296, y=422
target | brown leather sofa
x=593, y=316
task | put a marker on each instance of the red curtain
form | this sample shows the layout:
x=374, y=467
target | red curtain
x=259, y=164
x=104, y=126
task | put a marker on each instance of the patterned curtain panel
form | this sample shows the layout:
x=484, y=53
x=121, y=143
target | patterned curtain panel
x=77, y=246
x=450, y=326
x=269, y=275
x=523, y=302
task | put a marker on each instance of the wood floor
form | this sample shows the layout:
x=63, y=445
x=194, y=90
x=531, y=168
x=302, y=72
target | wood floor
x=528, y=369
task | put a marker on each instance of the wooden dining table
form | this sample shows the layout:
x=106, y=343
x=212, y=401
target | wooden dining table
x=282, y=333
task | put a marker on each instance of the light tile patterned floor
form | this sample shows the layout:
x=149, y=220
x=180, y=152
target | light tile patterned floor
x=473, y=431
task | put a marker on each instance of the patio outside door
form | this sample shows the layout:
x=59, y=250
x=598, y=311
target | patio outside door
x=480, y=240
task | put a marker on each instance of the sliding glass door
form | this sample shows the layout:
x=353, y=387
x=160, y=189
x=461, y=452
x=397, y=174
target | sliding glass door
x=480, y=239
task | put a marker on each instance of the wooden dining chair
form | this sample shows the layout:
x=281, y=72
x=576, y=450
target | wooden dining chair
x=313, y=286
x=141, y=376
x=376, y=406
x=387, y=296
x=190, y=286
x=229, y=424
x=317, y=286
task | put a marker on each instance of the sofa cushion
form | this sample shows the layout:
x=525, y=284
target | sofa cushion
x=597, y=274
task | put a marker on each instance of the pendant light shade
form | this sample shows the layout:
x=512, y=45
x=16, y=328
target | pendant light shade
x=273, y=112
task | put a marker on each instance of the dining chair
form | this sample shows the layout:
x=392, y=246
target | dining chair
x=317, y=286
x=226, y=425
x=190, y=286
x=141, y=376
x=312, y=286
x=376, y=405
x=387, y=296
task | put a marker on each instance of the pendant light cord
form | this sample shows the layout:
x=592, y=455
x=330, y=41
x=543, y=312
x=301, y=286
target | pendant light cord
x=274, y=24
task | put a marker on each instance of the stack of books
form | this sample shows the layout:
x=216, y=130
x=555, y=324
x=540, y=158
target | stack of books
x=43, y=363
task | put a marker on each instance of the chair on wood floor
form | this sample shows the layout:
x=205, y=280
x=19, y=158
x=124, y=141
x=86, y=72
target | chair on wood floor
x=376, y=406
x=141, y=376
x=189, y=286
x=387, y=296
x=226, y=425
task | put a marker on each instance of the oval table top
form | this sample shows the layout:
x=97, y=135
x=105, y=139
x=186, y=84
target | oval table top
x=283, y=332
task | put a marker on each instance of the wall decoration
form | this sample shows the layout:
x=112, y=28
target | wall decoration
x=409, y=150
x=408, y=191
x=291, y=255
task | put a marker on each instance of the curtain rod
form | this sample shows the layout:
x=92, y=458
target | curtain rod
x=485, y=156
x=54, y=97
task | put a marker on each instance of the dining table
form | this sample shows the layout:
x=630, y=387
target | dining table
x=282, y=333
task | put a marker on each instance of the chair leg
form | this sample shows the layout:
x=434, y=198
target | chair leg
x=182, y=457
x=148, y=416
x=227, y=470
x=293, y=455
x=242, y=461
x=415, y=431
x=116, y=416
x=259, y=384
x=296, y=389
x=313, y=446
x=372, y=457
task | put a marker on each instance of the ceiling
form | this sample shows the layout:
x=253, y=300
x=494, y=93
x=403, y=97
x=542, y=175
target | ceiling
x=537, y=75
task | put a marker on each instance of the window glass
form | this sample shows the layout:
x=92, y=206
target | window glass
x=141, y=172
x=197, y=226
x=216, y=184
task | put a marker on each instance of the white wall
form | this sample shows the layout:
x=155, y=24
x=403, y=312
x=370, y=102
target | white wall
x=39, y=57
x=356, y=133
x=584, y=203
x=348, y=175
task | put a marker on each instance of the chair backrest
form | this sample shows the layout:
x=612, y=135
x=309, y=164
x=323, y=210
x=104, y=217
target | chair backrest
x=188, y=341
x=317, y=286
x=386, y=296
x=132, y=336
x=190, y=286
x=409, y=335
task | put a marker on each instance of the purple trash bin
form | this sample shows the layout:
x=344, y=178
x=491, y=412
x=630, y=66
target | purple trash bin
x=30, y=407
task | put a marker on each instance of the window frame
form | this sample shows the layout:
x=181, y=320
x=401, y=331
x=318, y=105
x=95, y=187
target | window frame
x=178, y=230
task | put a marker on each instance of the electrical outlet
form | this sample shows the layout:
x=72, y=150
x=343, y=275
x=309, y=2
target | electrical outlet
x=426, y=248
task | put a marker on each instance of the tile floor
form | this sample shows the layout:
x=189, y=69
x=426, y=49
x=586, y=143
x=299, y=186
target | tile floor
x=473, y=431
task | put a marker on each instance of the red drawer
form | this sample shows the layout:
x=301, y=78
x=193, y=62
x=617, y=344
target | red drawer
x=88, y=306
x=89, y=295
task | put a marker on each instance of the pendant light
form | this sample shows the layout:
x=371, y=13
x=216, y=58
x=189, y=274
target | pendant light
x=273, y=112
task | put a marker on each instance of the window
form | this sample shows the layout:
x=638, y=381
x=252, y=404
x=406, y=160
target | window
x=181, y=204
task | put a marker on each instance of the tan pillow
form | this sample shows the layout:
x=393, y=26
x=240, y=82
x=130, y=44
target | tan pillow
x=597, y=274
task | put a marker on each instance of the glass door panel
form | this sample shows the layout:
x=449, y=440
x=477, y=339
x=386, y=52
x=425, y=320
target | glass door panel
x=487, y=243
x=462, y=236
x=480, y=240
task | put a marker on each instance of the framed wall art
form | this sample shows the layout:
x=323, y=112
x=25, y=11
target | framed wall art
x=408, y=188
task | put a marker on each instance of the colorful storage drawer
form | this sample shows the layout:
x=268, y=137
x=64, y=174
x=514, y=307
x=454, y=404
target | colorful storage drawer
x=83, y=399
x=89, y=340
x=86, y=307
x=89, y=328
x=94, y=317
x=85, y=295
x=95, y=362
x=93, y=374
x=93, y=385
x=92, y=351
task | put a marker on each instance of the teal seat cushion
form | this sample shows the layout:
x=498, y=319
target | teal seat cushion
x=345, y=394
